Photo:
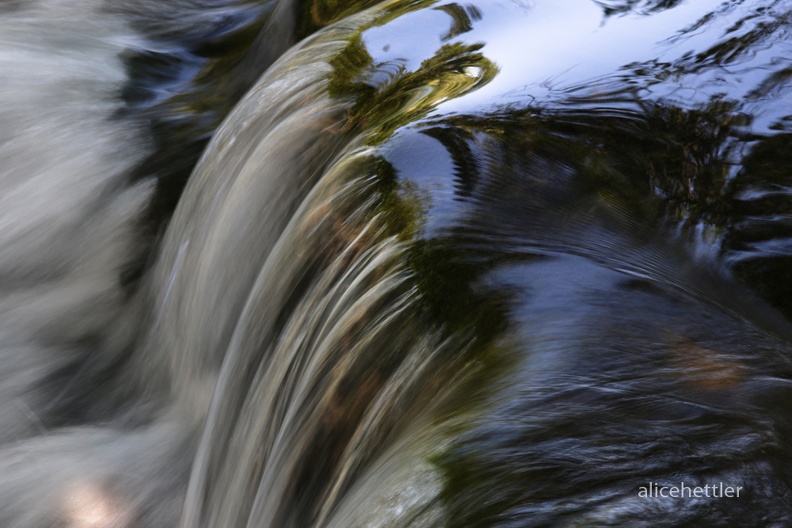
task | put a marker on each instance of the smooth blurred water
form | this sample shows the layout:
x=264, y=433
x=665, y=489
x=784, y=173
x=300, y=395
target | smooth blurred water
x=494, y=263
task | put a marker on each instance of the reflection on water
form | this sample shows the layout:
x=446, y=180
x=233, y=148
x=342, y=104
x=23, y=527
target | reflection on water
x=491, y=263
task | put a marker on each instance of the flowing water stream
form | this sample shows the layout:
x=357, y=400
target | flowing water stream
x=292, y=264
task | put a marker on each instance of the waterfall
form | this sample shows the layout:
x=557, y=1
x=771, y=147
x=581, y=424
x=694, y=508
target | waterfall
x=291, y=264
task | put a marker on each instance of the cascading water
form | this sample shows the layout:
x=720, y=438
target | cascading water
x=439, y=264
